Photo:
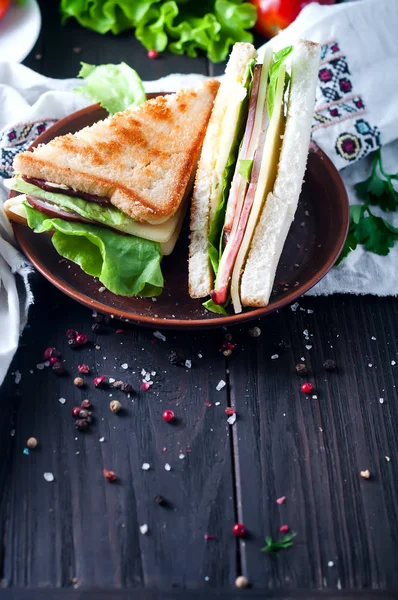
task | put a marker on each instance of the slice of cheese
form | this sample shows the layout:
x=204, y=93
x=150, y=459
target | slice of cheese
x=16, y=211
x=265, y=184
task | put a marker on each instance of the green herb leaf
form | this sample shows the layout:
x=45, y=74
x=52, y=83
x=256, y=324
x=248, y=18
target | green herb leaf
x=215, y=308
x=115, y=87
x=376, y=234
x=377, y=191
x=273, y=547
x=279, y=59
x=245, y=168
x=350, y=244
x=126, y=265
x=181, y=26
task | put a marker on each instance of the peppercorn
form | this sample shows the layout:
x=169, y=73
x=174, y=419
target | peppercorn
x=301, y=369
x=255, y=332
x=50, y=353
x=127, y=388
x=82, y=424
x=58, y=368
x=97, y=328
x=115, y=406
x=227, y=352
x=71, y=334
x=168, y=415
x=85, y=369
x=99, y=381
x=83, y=413
x=78, y=381
x=53, y=360
x=241, y=582
x=117, y=384
x=229, y=411
x=86, y=404
x=81, y=339
x=89, y=418
x=109, y=475
x=329, y=365
x=307, y=388
x=239, y=529
x=160, y=500
x=32, y=442
x=76, y=411
x=175, y=359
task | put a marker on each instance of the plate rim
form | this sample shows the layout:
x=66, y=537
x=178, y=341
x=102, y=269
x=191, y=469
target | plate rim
x=165, y=322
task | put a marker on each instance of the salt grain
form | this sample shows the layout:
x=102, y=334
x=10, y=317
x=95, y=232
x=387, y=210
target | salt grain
x=220, y=385
x=111, y=380
x=62, y=400
x=231, y=420
x=144, y=529
x=167, y=467
x=145, y=466
x=48, y=477
x=200, y=355
x=381, y=400
x=274, y=356
x=101, y=440
x=217, y=403
x=309, y=347
x=124, y=366
x=159, y=336
x=305, y=333
x=181, y=456
x=294, y=307
x=387, y=458
x=373, y=337
x=18, y=377
x=393, y=363
x=40, y=366
x=188, y=364
x=370, y=365
x=330, y=563
x=102, y=289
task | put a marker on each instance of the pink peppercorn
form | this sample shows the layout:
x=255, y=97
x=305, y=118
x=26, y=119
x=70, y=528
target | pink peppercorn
x=284, y=528
x=81, y=339
x=145, y=386
x=168, y=416
x=307, y=388
x=109, y=475
x=239, y=529
x=53, y=360
x=99, y=381
x=83, y=369
x=153, y=54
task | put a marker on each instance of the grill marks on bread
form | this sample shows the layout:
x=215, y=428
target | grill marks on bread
x=142, y=159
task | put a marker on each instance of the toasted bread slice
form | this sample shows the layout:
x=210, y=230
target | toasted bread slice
x=141, y=159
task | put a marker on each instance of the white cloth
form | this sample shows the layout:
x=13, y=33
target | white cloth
x=361, y=55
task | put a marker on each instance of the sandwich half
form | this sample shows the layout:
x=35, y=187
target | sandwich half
x=242, y=239
x=129, y=174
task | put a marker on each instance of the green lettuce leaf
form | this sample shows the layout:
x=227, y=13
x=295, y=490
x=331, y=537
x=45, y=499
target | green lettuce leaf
x=108, y=215
x=279, y=59
x=126, y=265
x=182, y=26
x=115, y=87
x=215, y=308
x=245, y=169
x=217, y=224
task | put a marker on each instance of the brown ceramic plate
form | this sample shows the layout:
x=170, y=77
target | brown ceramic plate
x=313, y=245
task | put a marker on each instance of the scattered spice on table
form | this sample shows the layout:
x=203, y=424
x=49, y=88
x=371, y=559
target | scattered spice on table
x=160, y=500
x=284, y=528
x=109, y=475
x=78, y=381
x=168, y=415
x=254, y=332
x=241, y=582
x=32, y=443
x=85, y=369
x=239, y=530
x=115, y=406
x=307, y=387
x=281, y=500
x=365, y=474
x=301, y=369
x=100, y=381
x=329, y=365
x=274, y=547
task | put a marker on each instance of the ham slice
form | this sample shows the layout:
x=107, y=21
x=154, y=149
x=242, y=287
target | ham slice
x=55, y=211
x=52, y=187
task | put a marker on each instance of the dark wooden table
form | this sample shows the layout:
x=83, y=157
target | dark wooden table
x=82, y=532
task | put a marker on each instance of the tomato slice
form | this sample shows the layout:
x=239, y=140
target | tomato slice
x=4, y=6
x=274, y=15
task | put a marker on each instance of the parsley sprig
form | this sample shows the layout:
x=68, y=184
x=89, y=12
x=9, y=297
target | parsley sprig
x=273, y=547
x=375, y=233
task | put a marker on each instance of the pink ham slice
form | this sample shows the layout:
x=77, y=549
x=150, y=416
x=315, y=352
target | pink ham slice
x=239, y=185
x=220, y=293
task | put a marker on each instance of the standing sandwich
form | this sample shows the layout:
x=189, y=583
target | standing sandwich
x=129, y=174
x=238, y=228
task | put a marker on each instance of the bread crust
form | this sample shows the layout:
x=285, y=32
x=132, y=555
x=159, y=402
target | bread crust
x=142, y=159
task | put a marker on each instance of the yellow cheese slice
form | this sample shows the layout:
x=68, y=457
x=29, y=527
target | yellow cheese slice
x=265, y=184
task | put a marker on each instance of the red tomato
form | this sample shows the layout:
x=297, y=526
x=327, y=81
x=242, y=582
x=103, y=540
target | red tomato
x=4, y=5
x=273, y=15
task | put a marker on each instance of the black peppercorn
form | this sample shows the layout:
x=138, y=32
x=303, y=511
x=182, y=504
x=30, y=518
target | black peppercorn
x=83, y=414
x=160, y=500
x=329, y=365
x=82, y=424
x=58, y=368
x=301, y=369
x=97, y=328
x=127, y=388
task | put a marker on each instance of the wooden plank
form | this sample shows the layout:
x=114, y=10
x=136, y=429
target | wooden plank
x=107, y=594
x=82, y=527
x=311, y=449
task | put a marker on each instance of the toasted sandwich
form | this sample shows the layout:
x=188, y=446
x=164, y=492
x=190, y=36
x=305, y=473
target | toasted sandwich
x=131, y=173
x=248, y=183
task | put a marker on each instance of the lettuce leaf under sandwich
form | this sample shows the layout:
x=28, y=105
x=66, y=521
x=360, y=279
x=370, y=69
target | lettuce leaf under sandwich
x=126, y=265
